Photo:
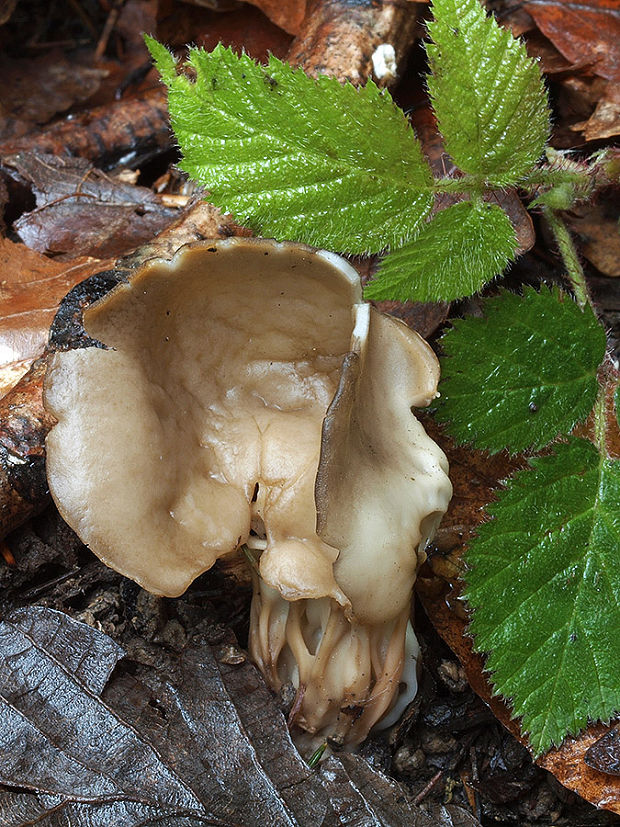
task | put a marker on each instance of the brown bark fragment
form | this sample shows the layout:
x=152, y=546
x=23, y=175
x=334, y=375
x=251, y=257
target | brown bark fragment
x=339, y=38
x=24, y=424
x=135, y=126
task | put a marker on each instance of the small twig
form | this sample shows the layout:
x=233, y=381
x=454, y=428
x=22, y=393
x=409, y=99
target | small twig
x=32, y=593
x=426, y=790
x=88, y=23
x=299, y=697
x=75, y=194
x=108, y=28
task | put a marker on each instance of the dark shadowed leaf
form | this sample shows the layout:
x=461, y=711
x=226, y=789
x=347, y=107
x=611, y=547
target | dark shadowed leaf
x=173, y=740
x=523, y=373
x=475, y=476
x=33, y=90
x=82, y=211
x=604, y=755
x=550, y=553
x=585, y=33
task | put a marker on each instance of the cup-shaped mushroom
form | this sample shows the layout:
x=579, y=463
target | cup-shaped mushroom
x=242, y=393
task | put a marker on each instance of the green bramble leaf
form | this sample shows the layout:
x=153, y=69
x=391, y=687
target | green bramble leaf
x=544, y=584
x=523, y=373
x=488, y=95
x=297, y=158
x=454, y=255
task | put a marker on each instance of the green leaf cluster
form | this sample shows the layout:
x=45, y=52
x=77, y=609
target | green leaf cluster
x=453, y=255
x=487, y=94
x=334, y=166
x=523, y=373
x=544, y=584
x=542, y=574
x=293, y=157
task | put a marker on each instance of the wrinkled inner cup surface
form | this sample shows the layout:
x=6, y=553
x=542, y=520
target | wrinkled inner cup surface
x=204, y=414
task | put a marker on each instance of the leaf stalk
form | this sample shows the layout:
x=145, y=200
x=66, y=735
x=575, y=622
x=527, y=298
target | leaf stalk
x=467, y=183
x=600, y=421
x=574, y=270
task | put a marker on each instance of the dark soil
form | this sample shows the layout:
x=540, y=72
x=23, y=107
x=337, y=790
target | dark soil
x=447, y=748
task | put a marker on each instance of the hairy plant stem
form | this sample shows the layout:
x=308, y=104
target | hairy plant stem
x=600, y=421
x=574, y=270
x=552, y=176
x=468, y=183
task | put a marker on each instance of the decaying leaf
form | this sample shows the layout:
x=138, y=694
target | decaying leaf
x=178, y=739
x=604, y=122
x=243, y=29
x=82, y=211
x=132, y=129
x=33, y=90
x=597, y=231
x=288, y=14
x=31, y=289
x=586, y=33
x=604, y=754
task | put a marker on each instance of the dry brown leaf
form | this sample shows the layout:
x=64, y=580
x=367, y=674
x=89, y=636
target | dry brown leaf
x=247, y=29
x=82, y=211
x=288, y=14
x=604, y=122
x=598, y=234
x=585, y=32
x=31, y=289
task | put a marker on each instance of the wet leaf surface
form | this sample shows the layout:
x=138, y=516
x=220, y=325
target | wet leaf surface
x=173, y=736
x=604, y=754
x=475, y=477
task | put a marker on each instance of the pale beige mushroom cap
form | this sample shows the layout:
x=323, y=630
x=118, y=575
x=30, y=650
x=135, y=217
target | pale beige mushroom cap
x=201, y=420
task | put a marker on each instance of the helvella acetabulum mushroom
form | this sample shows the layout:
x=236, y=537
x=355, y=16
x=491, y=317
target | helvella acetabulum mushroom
x=242, y=395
